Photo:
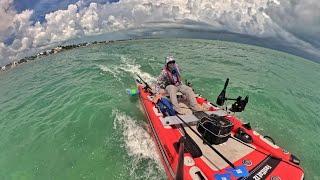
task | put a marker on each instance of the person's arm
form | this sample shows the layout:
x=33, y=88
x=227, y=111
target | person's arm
x=179, y=73
x=160, y=86
x=161, y=82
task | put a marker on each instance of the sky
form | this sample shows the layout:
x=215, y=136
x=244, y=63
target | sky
x=29, y=26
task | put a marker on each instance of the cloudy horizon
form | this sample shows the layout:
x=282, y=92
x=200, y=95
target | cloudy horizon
x=36, y=25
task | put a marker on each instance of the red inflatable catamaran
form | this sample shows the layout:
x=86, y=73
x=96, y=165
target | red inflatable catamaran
x=215, y=144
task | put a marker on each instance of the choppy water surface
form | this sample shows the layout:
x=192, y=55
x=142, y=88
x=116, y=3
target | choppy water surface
x=67, y=116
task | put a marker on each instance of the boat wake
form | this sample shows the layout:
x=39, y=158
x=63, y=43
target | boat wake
x=145, y=162
x=127, y=66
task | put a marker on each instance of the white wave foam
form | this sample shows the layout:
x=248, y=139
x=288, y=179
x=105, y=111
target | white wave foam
x=139, y=145
x=129, y=66
x=138, y=141
x=113, y=71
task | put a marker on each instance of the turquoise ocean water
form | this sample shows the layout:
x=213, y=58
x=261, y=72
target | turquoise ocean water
x=67, y=115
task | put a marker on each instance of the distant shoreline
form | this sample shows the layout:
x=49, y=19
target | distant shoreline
x=206, y=35
x=56, y=50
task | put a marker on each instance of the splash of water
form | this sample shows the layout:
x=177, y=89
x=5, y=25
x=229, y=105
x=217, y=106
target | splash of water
x=127, y=66
x=139, y=145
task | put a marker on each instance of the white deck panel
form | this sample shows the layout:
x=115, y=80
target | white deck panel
x=231, y=149
x=173, y=120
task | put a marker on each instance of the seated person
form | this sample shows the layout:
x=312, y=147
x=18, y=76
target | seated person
x=170, y=81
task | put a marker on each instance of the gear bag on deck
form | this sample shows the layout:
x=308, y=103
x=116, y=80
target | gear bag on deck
x=166, y=107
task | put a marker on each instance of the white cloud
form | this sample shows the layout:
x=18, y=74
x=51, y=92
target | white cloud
x=7, y=14
x=240, y=16
x=90, y=19
x=62, y=24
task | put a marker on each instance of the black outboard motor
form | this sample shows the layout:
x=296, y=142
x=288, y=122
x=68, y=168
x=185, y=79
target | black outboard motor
x=240, y=104
x=222, y=96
